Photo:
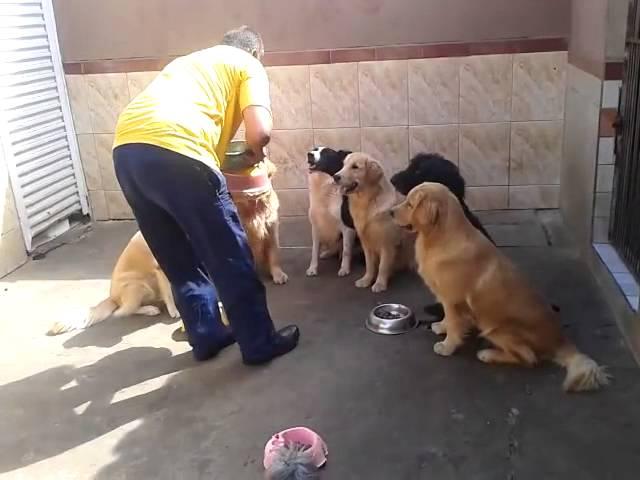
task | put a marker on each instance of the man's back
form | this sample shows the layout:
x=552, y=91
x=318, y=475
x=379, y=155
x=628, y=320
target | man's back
x=195, y=104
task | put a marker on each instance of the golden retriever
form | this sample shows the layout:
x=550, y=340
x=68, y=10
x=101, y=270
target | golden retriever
x=259, y=216
x=480, y=287
x=387, y=247
x=138, y=285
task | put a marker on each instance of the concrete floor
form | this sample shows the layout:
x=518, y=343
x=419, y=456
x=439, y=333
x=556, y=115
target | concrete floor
x=123, y=401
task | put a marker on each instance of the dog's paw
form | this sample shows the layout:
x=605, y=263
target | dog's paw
x=364, y=282
x=438, y=328
x=312, y=271
x=485, y=355
x=279, y=277
x=379, y=287
x=173, y=311
x=344, y=271
x=148, y=310
x=444, y=349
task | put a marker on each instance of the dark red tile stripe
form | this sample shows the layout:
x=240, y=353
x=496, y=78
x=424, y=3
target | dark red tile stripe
x=314, y=57
x=613, y=71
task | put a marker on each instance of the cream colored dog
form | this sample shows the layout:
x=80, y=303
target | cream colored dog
x=387, y=248
x=480, y=287
x=138, y=285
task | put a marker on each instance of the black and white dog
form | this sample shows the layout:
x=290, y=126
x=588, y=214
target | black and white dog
x=331, y=222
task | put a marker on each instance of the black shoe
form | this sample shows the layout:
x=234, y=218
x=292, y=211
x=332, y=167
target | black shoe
x=285, y=340
x=203, y=352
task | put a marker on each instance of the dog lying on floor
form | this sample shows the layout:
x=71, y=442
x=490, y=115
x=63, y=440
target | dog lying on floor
x=138, y=285
x=331, y=222
x=387, y=248
x=480, y=287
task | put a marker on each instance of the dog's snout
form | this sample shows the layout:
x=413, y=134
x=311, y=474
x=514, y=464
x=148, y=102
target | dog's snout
x=337, y=178
x=392, y=213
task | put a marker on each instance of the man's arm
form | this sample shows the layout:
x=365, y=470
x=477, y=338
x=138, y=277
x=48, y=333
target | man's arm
x=258, y=125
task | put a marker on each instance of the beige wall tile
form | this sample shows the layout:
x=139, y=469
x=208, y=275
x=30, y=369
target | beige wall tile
x=334, y=95
x=382, y=88
x=104, y=154
x=487, y=198
x=539, y=81
x=388, y=145
x=117, y=206
x=290, y=96
x=484, y=153
x=605, y=151
x=138, y=81
x=108, y=95
x=485, y=88
x=338, y=138
x=534, y=196
x=98, y=205
x=601, y=230
x=442, y=139
x=604, y=180
x=89, y=159
x=602, y=206
x=434, y=91
x=78, y=98
x=293, y=202
x=12, y=251
x=288, y=150
x=536, y=153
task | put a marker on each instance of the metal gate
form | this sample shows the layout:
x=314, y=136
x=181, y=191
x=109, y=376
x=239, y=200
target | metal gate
x=36, y=129
x=625, y=216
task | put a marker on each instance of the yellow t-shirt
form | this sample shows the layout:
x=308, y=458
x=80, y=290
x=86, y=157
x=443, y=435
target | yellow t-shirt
x=194, y=107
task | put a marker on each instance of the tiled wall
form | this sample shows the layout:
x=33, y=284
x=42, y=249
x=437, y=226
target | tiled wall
x=604, y=172
x=500, y=117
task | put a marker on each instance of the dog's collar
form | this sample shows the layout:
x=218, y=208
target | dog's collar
x=248, y=184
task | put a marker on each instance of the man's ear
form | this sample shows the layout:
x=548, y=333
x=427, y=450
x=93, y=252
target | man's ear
x=373, y=171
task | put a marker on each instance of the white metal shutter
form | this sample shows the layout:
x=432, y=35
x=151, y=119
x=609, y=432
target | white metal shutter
x=36, y=126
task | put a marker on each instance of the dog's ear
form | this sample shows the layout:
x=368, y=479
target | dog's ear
x=428, y=211
x=373, y=171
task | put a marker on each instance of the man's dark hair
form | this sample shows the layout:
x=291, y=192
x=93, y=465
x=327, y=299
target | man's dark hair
x=246, y=39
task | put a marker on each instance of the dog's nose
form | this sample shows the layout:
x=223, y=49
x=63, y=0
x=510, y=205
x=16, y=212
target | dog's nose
x=337, y=178
x=392, y=213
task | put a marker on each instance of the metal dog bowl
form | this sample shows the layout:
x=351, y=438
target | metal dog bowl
x=238, y=156
x=391, y=319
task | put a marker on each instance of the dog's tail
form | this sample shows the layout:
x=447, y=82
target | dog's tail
x=583, y=373
x=97, y=314
x=293, y=462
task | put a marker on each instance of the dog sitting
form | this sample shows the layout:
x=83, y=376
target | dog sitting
x=480, y=287
x=432, y=167
x=329, y=215
x=138, y=285
x=257, y=203
x=387, y=248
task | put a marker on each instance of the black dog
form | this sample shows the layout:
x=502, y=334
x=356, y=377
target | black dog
x=431, y=167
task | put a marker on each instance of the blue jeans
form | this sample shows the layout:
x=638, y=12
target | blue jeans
x=186, y=214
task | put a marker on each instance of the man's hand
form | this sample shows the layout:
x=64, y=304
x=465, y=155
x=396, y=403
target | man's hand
x=257, y=125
